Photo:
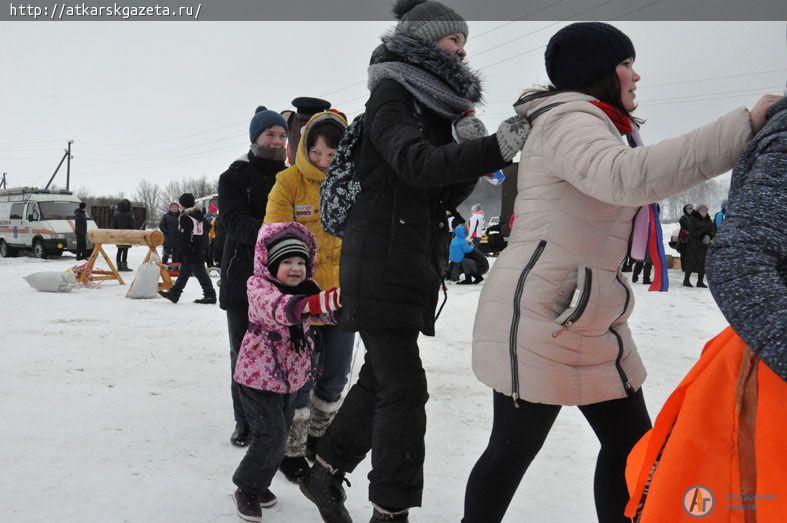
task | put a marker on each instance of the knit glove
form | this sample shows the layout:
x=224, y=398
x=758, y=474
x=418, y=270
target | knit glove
x=468, y=127
x=511, y=136
x=326, y=301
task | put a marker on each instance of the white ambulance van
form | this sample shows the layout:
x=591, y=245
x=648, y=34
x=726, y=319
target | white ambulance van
x=38, y=220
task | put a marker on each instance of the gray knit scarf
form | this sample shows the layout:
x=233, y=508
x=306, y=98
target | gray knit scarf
x=437, y=79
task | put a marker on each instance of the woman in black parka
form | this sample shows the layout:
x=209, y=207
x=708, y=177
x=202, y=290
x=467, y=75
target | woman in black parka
x=701, y=232
x=395, y=248
x=123, y=219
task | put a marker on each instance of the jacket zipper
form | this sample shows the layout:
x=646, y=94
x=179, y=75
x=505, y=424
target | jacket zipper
x=512, y=344
x=584, y=299
x=626, y=382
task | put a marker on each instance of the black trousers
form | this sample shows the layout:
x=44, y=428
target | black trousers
x=640, y=267
x=197, y=268
x=384, y=412
x=167, y=254
x=270, y=416
x=122, y=256
x=518, y=434
x=237, y=323
x=81, y=247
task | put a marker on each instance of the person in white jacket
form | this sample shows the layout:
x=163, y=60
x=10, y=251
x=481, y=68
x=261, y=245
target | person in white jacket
x=477, y=224
x=551, y=327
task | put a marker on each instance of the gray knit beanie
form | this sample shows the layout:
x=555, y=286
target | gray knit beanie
x=428, y=19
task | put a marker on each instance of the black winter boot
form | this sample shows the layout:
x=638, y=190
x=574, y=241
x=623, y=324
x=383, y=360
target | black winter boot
x=209, y=300
x=294, y=469
x=171, y=296
x=323, y=487
x=381, y=515
x=686, y=282
x=478, y=279
x=247, y=505
x=240, y=436
x=700, y=280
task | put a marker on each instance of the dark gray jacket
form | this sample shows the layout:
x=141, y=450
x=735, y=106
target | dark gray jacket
x=80, y=222
x=747, y=261
x=169, y=226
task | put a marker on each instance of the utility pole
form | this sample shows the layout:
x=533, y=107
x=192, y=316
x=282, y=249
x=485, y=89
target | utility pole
x=66, y=156
x=68, y=166
x=2, y=182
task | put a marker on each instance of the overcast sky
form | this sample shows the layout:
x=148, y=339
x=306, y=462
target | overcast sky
x=166, y=100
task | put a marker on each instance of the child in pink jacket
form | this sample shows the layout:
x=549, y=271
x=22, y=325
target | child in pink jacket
x=275, y=358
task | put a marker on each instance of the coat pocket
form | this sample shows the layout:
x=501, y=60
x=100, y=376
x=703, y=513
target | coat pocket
x=407, y=261
x=579, y=300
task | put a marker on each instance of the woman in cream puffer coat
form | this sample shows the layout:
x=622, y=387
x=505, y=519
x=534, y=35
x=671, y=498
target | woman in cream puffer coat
x=551, y=327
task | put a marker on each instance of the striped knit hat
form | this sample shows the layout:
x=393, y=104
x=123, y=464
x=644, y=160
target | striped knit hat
x=286, y=247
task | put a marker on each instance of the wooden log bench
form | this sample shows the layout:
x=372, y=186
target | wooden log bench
x=99, y=237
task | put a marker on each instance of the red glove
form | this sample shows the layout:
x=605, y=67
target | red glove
x=327, y=301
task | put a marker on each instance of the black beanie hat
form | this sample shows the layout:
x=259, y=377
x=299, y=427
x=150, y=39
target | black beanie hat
x=284, y=248
x=186, y=200
x=581, y=53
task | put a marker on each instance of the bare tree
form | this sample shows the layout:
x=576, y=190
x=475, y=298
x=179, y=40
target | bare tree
x=199, y=187
x=710, y=193
x=151, y=197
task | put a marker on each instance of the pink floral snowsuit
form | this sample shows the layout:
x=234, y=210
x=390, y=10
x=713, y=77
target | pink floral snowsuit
x=267, y=360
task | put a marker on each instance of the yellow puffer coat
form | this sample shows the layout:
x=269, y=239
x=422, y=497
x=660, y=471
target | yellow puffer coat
x=296, y=197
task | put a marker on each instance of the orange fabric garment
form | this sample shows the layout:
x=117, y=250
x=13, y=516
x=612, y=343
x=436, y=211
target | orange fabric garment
x=722, y=429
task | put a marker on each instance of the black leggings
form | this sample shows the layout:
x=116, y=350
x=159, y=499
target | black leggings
x=518, y=434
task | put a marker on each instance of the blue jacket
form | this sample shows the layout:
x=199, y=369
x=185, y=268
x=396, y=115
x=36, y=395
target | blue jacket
x=459, y=245
x=719, y=218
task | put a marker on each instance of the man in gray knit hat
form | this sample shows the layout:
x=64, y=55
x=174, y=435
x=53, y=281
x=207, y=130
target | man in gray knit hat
x=423, y=156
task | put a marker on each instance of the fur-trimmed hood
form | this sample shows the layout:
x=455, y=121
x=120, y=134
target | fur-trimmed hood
x=401, y=46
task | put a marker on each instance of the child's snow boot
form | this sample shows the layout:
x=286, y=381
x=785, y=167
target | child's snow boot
x=267, y=499
x=322, y=413
x=247, y=505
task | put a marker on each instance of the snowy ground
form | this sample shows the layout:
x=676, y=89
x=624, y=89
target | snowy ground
x=119, y=410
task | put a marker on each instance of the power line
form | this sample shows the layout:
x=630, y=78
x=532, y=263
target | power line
x=696, y=80
x=512, y=57
x=171, y=139
x=636, y=10
x=540, y=29
x=701, y=97
x=146, y=154
x=157, y=161
x=713, y=78
x=680, y=99
x=518, y=19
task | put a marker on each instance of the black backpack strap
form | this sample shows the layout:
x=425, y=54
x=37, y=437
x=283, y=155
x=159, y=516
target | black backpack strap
x=538, y=112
